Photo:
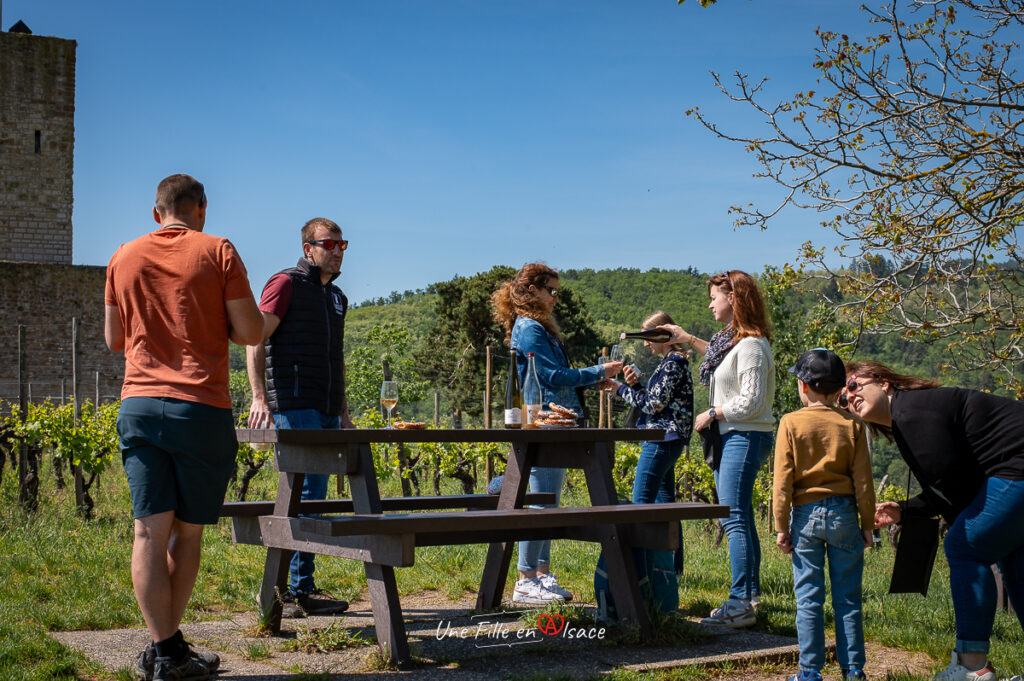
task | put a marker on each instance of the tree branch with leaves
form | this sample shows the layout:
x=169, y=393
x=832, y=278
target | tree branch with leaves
x=910, y=148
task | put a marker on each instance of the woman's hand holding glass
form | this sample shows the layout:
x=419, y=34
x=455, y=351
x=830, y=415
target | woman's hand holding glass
x=631, y=375
x=612, y=368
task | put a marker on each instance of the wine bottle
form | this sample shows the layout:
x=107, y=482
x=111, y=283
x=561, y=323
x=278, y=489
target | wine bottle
x=513, y=396
x=654, y=335
x=531, y=393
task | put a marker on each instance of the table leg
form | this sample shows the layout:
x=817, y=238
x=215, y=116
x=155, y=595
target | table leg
x=387, y=613
x=275, y=581
x=276, y=564
x=618, y=555
x=380, y=579
x=499, y=554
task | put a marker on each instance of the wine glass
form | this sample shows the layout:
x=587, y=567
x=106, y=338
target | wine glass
x=389, y=397
x=618, y=353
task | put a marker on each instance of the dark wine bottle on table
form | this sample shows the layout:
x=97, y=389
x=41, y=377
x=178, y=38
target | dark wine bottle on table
x=513, y=396
x=653, y=335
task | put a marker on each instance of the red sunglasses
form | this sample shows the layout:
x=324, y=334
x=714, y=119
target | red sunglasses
x=330, y=244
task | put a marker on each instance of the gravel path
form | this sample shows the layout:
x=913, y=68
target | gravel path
x=453, y=645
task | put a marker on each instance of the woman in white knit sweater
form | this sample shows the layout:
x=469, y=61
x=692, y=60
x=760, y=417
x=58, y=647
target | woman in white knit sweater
x=739, y=369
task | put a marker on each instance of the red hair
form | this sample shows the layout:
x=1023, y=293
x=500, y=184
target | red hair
x=749, y=317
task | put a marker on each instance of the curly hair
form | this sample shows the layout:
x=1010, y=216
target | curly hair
x=749, y=317
x=515, y=299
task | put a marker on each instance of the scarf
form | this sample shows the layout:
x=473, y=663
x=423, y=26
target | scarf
x=718, y=347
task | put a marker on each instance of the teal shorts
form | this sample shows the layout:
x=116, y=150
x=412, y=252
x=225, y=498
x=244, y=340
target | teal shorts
x=178, y=456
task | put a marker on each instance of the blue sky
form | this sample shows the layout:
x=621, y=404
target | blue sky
x=444, y=137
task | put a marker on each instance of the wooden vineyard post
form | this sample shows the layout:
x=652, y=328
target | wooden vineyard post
x=28, y=459
x=489, y=374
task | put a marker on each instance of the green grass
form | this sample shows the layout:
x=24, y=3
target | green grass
x=61, y=572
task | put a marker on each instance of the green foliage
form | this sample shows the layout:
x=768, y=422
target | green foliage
x=90, y=443
x=364, y=371
x=799, y=323
x=327, y=639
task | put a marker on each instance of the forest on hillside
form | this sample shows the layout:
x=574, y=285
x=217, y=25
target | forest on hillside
x=435, y=340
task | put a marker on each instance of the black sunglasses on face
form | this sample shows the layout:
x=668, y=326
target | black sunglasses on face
x=330, y=244
x=553, y=292
x=853, y=386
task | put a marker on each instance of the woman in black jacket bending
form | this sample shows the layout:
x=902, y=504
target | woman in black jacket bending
x=966, y=448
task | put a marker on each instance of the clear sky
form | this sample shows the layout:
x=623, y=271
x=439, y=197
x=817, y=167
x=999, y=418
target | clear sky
x=444, y=136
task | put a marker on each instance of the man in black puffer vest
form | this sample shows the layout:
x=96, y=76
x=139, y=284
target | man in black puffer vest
x=298, y=374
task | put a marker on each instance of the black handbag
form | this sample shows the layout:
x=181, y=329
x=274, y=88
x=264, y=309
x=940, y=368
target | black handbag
x=711, y=442
x=915, y=553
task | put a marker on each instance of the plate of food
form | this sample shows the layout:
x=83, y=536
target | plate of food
x=556, y=416
x=410, y=425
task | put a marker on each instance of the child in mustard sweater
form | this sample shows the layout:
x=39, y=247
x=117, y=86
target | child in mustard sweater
x=822, y=483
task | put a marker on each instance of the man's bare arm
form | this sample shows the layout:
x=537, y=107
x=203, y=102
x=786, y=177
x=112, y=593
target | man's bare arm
x=245, y=321
x=113, y=329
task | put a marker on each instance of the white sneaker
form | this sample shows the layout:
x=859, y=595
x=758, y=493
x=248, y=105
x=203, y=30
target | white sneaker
x=550, y=582
x=957, y=672
x=735, y=612
x=531, y=591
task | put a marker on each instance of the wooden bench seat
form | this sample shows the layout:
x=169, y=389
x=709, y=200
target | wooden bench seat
x=232, y=509
x=391, y=538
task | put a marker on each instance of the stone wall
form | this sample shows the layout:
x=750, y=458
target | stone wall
x=37, y=140
x=45, y=298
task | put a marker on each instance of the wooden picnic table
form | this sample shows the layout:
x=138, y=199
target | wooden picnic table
x=370, y=531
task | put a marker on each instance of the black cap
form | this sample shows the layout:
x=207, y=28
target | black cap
x=821, y=369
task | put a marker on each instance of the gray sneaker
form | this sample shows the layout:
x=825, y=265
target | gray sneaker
x=734, y=613
x=146, y=661
x=189, y=668
x=550, y=582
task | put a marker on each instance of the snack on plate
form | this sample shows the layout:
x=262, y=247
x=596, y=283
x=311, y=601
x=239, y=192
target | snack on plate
x=556, y=416
x=410, y=425
x=565, y=412
x=561, y=423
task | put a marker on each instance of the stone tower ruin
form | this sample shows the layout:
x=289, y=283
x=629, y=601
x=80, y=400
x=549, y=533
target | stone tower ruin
x=37, y=143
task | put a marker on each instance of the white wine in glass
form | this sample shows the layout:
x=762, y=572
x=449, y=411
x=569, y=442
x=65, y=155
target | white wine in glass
x=389, y=397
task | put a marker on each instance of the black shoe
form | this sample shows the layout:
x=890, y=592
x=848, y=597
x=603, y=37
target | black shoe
x=189, y=668
x=147, y=661
x=315, y=602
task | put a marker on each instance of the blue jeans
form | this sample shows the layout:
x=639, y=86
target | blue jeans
x=743, y=454
x=314, y=486
x=986, y=532
x=655, y=481
x=829, y=527
x=537, y=552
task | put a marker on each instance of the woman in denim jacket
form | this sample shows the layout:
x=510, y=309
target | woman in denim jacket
x=524, y=308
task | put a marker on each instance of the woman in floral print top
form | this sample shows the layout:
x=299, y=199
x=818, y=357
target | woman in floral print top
x=666, y=404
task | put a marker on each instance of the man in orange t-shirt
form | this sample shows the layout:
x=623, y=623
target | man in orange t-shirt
x=174, y=297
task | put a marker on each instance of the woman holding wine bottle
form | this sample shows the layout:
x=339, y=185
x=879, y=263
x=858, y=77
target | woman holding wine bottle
x=665, y=403
x=524, y=307
x=740, y=371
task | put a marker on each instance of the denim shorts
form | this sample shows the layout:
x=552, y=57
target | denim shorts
x=178, y=456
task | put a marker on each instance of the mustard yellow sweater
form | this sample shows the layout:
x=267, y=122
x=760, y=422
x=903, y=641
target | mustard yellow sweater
x=822, y=452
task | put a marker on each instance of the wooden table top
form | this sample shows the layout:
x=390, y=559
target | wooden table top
x=385, y=435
